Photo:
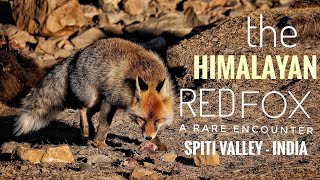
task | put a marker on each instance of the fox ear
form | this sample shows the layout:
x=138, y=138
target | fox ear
x=164, y=89
x=140, y=85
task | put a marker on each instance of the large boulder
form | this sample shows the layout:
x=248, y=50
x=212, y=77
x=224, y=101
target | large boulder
x=230, y=38
x=57, y=17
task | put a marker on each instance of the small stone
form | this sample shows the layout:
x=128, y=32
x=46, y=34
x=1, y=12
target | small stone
x=114, y=28
x=135, y=7
x=109, y=5
x=285, y=1
x=199, y=6
x=32, y=155
x=44, y=170
x=24, y=168
x=98, y=158
x=58, y=154
x=169, y=4
x=62, y=53
x=90, y=11
x=168, y=157
x=131, y=163
x=18, y=36
x=82, y=152
x=87, y=37
x=264, y=7
x=148, y=165
x=45, y=60
x=206, y=160
x=45, y=46
x=114, y=18
x=142, y=173
x=85, y=166
x=49, y=45
x=68, y=46
x=8, y=147
x=36, y=172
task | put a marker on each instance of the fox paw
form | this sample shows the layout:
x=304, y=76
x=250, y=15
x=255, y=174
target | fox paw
x=101, y=145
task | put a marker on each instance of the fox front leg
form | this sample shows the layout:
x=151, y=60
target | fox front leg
x=86, y=125
x=106, y=114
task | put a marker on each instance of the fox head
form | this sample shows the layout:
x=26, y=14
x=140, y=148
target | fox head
x=152, y=106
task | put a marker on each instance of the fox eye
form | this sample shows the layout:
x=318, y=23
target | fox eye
x=156, y=122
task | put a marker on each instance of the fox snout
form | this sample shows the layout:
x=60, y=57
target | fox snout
x=149, y=130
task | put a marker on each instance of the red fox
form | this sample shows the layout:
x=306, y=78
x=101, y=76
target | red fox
x=110, y=74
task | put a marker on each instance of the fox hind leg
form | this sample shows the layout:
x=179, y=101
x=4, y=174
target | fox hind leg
x=106, y=115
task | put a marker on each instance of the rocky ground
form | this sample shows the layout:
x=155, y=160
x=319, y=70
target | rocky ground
x=177, y=30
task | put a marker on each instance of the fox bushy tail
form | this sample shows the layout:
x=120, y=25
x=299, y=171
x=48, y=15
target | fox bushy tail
x=43, y=102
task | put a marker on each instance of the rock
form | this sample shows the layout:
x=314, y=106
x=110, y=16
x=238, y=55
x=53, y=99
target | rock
x=48, y=17
x=191, y=19
x=24, y=168
x=218, y=3
x=142, y=173
x=173, y=22
x=90, y=11
x=135, y=7
x=206, y=160
x=264, y=7
x=264, y=4
x=199, y=6
x=85, y=166
x=8, y=149
x=53, y=154
x=98, y=158
x=58, y=154
x=157, y=43
x=68, y=46
x=18, y=36
x=169, y=4
x=32, y=155
x=116, y=17
x=62, y=53
x=130, y=163
x=87, y=37
x=49, y=45
x=286, y=1
x=102, y=20
x=114, y=28
x=168, y=157
x=148, y=165
x=109, y=5
x=44, y=170
x=45, y=46
x=45, y=61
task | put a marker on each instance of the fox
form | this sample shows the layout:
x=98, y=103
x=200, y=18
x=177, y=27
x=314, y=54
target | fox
x=108, y=75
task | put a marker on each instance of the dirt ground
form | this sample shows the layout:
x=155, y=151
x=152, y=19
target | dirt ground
x=125, y=137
